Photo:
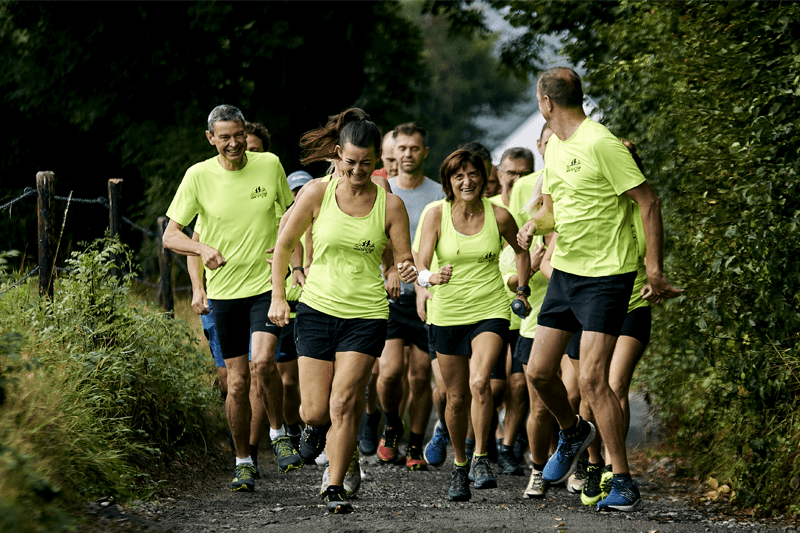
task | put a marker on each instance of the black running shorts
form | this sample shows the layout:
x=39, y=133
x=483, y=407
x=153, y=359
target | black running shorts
x=320, y=336
x=236, y=318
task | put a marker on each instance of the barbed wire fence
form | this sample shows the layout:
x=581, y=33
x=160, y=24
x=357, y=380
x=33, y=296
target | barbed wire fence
x=46, y=216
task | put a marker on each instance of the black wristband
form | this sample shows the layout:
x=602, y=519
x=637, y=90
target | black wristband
x=524, y=290
x=301, y=269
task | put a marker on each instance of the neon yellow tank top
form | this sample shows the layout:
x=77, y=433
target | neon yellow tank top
x=475, y=291
x=345, y=278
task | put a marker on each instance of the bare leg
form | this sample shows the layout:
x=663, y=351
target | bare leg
x=291, y=391
x=542, y=372
x=270, y=386
x=390, y=379
x=539, y=426
x=596, y=351
x=420, y=396
x=455, y=374
x=352, y=371
x=627, y=353
x=237, y=405
x=486, y=348
x=372, y=388
x=258, y=413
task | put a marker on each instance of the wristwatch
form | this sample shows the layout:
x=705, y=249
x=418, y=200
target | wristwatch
x=524, y=290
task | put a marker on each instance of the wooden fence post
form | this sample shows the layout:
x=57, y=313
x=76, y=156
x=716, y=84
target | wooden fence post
x=115, y=218
x=164, y=296
x=45, y=186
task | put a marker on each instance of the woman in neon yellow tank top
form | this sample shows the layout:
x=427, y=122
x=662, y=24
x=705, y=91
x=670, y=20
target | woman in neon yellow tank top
x=341, y=318
x=470, y=309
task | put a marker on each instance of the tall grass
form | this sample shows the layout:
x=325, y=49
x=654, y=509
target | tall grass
x=94, y=386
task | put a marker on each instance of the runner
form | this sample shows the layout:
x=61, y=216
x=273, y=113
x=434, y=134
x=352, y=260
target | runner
x=405, y=326
x=235, y=194
x=515, y=163
x=587, y=170
x=632, y=341
x=471, y=313
x=341, y=317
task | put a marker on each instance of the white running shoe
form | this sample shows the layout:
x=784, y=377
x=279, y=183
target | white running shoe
x=326, y=480
x=536, y=485
x=322, y=459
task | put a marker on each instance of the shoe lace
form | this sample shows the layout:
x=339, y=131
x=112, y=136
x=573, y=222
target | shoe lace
x=592, y=479
x=283, y=446
x=245, y=470
x=459, y=478
x=391, y=437
x=481, y=468
x=536, y=480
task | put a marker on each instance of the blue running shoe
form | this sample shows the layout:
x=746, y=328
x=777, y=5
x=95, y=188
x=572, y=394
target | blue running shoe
x=481, y=474
x=563, y=463
x=435, y=451
x=624, y=496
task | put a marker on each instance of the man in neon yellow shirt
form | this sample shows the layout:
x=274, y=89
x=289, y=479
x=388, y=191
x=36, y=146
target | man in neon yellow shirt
x=590, y=179
x=236, y=194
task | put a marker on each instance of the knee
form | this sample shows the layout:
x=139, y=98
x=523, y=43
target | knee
x=457, y=402
x=538, y=380
x=620, y=388
x=419, y=382
x=238, y=387
x=342, y=405
x=591, y=385
x=480, y=386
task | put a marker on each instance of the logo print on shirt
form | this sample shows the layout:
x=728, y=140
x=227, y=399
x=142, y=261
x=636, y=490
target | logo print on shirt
x=259, y=192
x=364, y=246
x=574, y=166
x=488, y=258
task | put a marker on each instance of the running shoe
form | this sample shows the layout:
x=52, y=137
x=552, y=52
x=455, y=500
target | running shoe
x=335, y=500
x=506, y=461
x=605, y=478
x=562, y=463
x=326, y=480
x=352, y=478
x=481, y=474
x=469, y=448
x=388, y=448
x=414, y=460
x=288, y=458
x=577, y=480
x=624, y=496
x=368, y=432
x=295, y=438
x=459, y=485
x=312, y=442
x=592, y=493
x=243, y=478
x=536, y=486
x=436, y=450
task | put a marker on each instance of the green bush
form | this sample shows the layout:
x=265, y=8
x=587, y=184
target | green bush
x=97, y=384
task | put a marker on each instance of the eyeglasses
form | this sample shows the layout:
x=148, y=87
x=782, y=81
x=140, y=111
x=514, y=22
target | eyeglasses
x=514, y=174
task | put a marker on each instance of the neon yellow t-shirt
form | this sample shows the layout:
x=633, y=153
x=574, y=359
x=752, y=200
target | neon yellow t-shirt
x=520, y=196
x=475, y=290
x=345, y=280
x=237, y=210
x=586, y=176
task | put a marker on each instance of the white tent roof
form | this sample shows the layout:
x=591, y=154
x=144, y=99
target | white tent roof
x=528, y=132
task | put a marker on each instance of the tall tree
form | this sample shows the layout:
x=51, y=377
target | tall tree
x=100, y=90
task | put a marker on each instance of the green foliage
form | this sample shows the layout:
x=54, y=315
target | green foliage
x=114, y=382
x=709, y=92
x=465, y=80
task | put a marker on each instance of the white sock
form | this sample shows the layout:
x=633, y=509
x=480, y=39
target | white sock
x=246, y=461
x=275, y=433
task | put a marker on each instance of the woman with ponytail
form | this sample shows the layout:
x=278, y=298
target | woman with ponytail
x=341, y=318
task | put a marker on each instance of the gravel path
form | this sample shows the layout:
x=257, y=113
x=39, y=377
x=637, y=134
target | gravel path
x=393, y=499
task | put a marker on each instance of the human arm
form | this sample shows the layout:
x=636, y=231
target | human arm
x=658, y=286
x=431, y=224
x=546, y=267
x=299, y=221
x=177, y=241
x=392, y=283
x=542, y=223
x=508, y=230
x=398, y=233
x=195, y=268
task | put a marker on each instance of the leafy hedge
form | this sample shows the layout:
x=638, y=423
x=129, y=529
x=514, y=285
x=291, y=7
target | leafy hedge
x=96, y=385
x=709, y=91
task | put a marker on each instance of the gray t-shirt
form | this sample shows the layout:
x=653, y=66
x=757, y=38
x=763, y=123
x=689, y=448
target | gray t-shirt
x=416, y=200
